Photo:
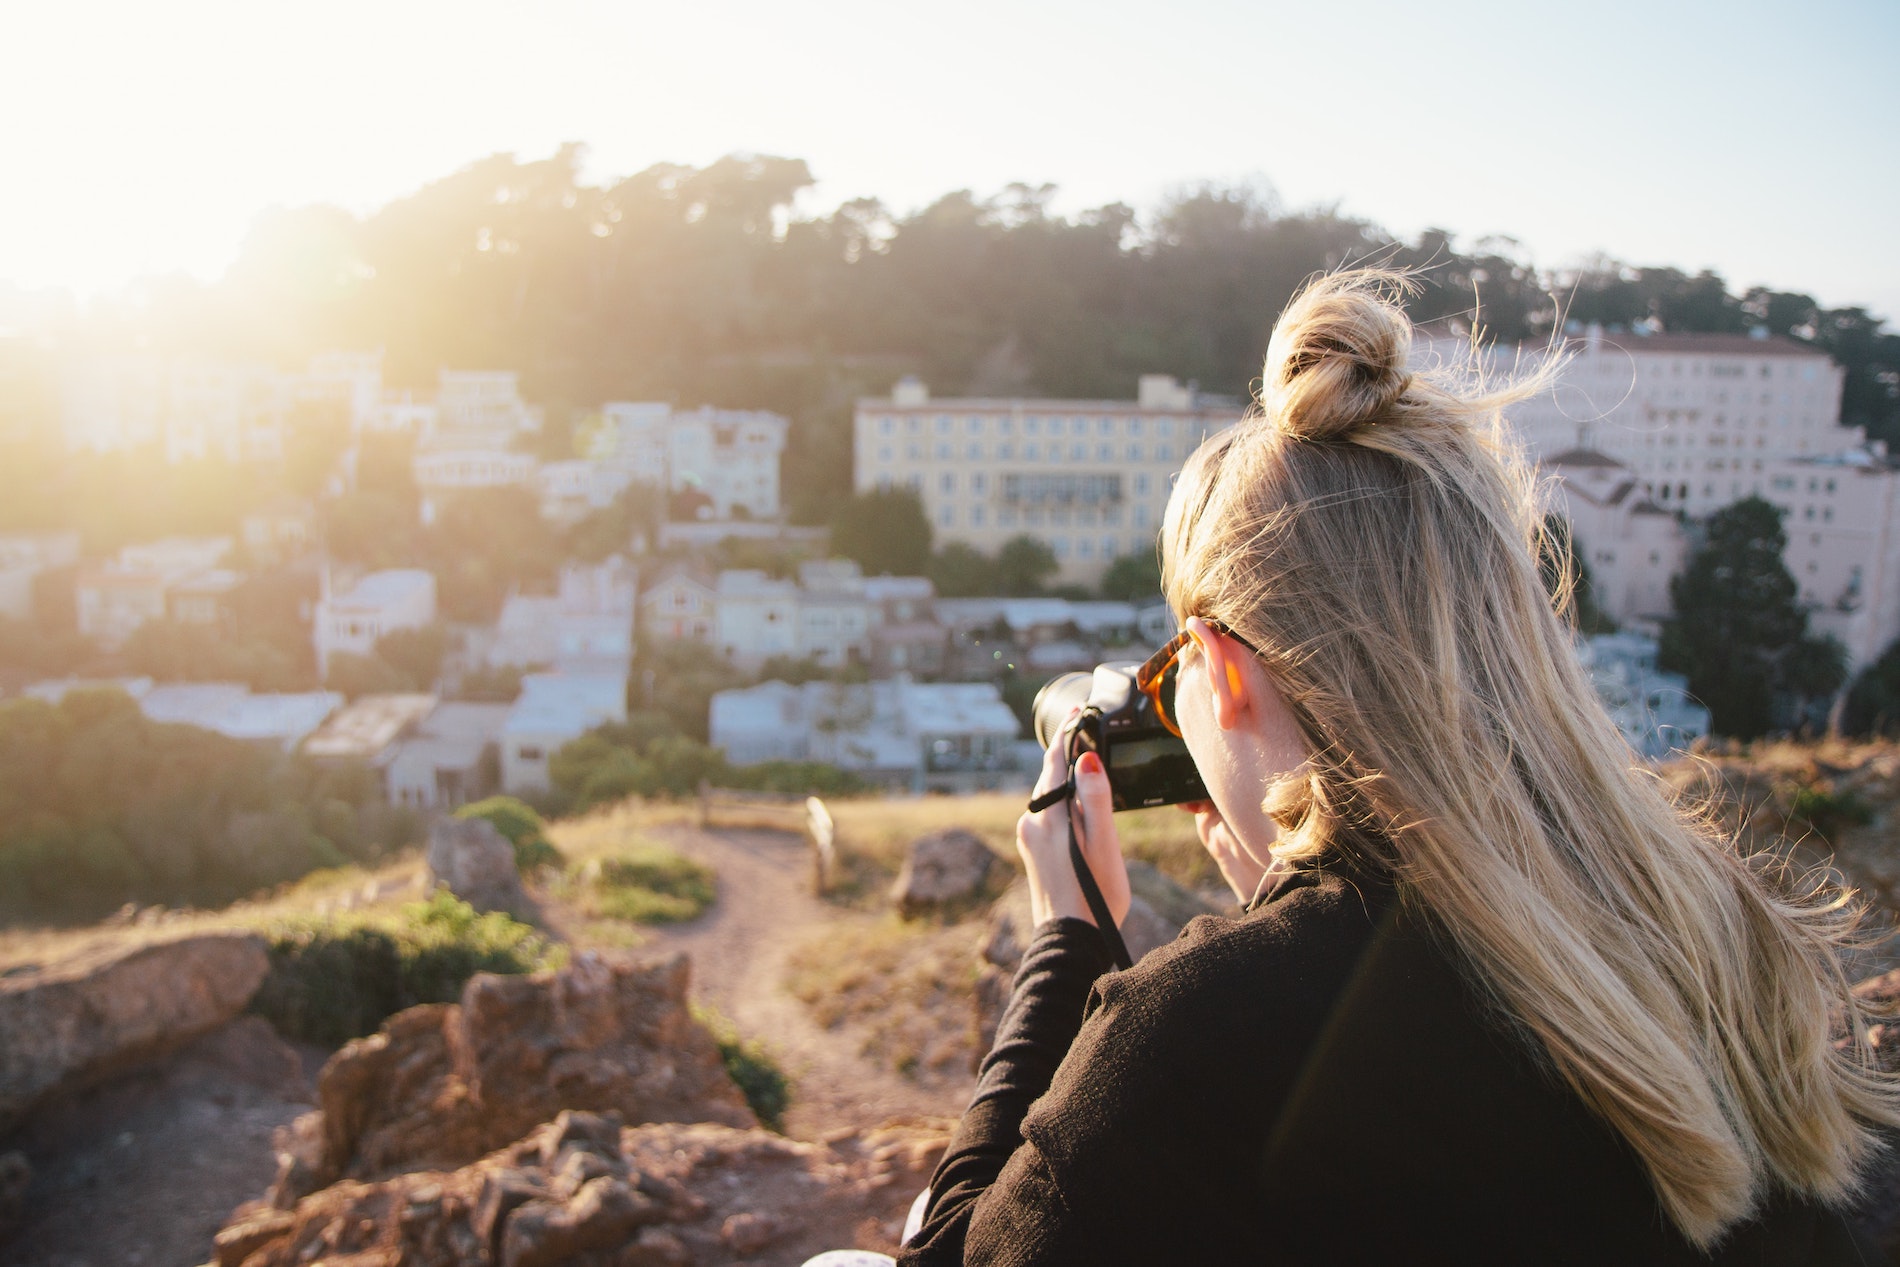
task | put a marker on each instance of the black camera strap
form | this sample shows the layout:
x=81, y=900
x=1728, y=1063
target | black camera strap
x=1091, y=892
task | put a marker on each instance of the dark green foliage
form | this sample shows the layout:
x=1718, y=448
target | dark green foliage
x=1023, y=565
x=645, y=757
x=677, y=680
x=99, y=806
x=1738, y=632
x=648, y=884
x=337, y=978
x=765, y=1087
x=415, y=653
x=1826, y=812
x=1134, y=578
x=1873, y=702
x=521, y=826
x=961, y=571
x=885, y=531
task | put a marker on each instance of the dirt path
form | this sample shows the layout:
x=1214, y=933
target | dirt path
x=739, y=948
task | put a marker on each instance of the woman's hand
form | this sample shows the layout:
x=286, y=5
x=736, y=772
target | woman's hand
x=1043, y=841
x=1239, y=868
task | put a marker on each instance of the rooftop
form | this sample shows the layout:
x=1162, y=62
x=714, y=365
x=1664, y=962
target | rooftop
x=391, y=586
x=364, y=730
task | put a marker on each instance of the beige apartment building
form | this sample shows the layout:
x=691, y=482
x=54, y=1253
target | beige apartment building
x=1087, y=477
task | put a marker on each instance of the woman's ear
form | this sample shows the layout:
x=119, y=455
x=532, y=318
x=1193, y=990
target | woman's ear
x=1225, y=676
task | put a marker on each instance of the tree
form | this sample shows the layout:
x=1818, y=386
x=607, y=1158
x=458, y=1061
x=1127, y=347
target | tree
x=359, y=675
x=1872, y=706
x=1023, y=565
x=415, y=653
x=1133, y=578
x=962, y=571
x=1738, y=632
x=885, y=531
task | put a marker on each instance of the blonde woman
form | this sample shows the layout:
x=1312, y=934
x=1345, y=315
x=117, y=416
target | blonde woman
x=1494, y=998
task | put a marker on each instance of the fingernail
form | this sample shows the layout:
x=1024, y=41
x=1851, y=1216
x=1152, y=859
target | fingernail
x=1090, y=764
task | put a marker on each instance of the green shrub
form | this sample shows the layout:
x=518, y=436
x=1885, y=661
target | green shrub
x=1827, y=812
x=334, y=978
x=648, y=885
x=521, y=826
x=748, y=1064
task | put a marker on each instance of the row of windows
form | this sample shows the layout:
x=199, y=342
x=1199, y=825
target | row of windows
x=1032, y=425
x=1805, y=370
x=979, y=484
x=1036, y=517
x=1033, y=451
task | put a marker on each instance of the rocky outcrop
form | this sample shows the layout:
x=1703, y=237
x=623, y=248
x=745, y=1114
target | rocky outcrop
x=475, y=862
x=584, y=1190
x=66, y=1025
x=443, y=1084
x=1012, y=925
x=943, y=867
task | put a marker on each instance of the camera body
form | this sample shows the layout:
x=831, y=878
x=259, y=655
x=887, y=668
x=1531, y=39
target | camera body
x=1146, y=764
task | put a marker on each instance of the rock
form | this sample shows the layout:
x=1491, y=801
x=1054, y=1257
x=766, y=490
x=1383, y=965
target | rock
x=440, y=1085
x=72, y=1023
x=944, y=866
x=476, y=863
x=15, y=1177
x=666, y=1195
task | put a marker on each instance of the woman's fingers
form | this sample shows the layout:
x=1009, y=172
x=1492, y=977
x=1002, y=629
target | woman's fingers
x=1101, y=843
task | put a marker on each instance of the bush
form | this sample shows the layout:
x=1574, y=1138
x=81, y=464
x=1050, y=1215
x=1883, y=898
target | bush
x=648, y=885
x=521, y=827
x=748, y=1064
x=336, y=978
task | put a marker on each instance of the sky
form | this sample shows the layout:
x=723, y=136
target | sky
x=1756, y=139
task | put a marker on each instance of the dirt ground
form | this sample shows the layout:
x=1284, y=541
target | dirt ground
x=739, y=948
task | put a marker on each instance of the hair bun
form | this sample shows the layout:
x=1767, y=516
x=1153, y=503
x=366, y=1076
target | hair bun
x=1338, y=358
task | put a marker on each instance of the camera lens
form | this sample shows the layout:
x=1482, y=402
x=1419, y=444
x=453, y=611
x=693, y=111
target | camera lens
x=1056, y=700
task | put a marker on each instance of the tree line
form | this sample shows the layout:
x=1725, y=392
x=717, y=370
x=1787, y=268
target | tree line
x=707, y=285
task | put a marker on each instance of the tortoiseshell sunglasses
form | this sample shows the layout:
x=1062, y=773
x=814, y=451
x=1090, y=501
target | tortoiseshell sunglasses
x=1157, y=676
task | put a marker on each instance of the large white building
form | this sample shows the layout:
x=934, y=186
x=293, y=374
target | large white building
x=400, y=598
x=1699, y=418
x=1643, y=428
x=1088, y=477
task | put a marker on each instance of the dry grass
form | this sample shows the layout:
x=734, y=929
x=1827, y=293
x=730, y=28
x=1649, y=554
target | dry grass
x=907, y=989
x=383, y=887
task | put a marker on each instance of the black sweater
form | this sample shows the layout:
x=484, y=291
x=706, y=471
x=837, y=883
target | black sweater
x=1311, y=1083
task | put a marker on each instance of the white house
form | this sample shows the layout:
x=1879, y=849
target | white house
x=947, y=735
x=679, y=607
x=115, y=599
x=1631, y=545
x=586, y=625
x=756, y=617
x=834, y=612
x=400, y=598
x=452, y=757
x=552, y=709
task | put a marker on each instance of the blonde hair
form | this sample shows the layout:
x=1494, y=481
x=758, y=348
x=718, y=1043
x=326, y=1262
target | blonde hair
x=1370, y=529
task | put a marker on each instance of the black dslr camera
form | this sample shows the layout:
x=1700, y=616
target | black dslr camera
x=1147, y=763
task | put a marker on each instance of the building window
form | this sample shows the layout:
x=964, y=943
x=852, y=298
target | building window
x=943, y=451
x=1032, y=451
x=979, y=482
x=1164, y=453
x=1134, y=453
x=976, y=516
x=947, y=517
x=947, y=483
x=1134, y=426
x=528, y=752
x=1055, y=426
x=1105, y=452
x=884, y=453
x=943, y=424
x=1032, y=425
x=1078, y=451
x=1059, y=546
x=1004, y=451
x=1141, y=484
x=1085, y=548
x=974, y=425
x=884, y=426
x=973, y=451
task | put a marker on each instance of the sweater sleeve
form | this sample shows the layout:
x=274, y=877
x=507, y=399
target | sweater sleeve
x=1044, y=1013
